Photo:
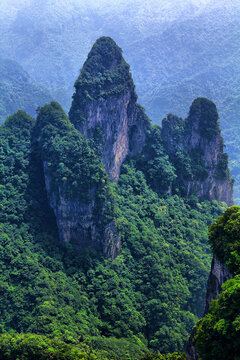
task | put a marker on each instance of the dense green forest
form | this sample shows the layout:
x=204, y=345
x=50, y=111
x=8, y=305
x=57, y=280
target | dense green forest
x=149, y=296
x=217, y=334
x=37, y=347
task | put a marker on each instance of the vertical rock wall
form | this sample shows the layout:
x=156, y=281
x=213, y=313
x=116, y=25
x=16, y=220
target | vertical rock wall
x=104, y=107
x=76, y=184
x=218, y=275
x=199, y=136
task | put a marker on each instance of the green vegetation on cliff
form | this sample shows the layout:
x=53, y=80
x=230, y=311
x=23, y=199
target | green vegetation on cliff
x=217, y=334
x=105, y=73
x=71, y=162
x=154, y=162
x=15, y=140
x=206, y=111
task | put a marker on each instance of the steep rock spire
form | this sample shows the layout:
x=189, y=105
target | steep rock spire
x=104, y=107
x=76, y=184
x=196, y=147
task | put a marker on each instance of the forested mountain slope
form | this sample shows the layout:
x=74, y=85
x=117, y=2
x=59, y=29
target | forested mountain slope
x=119, y=262
x=19, y=91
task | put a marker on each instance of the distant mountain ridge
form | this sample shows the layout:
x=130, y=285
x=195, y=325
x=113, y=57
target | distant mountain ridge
x=18, y=91
x=176, y=53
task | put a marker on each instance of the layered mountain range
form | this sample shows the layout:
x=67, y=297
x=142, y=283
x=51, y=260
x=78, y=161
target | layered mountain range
x=19, y=91
x=177, y=52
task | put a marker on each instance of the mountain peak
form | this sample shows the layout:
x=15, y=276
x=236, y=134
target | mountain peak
x=104, y=107
x=104, y=73
x=196, y=148
x=104, y=55
x=203, y=115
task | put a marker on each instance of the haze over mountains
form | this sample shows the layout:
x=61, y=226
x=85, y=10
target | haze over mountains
x=18, y=90
x=177, y=51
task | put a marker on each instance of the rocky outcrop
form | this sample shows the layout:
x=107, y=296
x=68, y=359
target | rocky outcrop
x=104, y=107
x=77, y=186
x=81, y=222
x=218, y=275
x=199, y=139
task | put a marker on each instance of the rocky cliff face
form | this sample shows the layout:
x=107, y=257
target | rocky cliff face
x=104, y=111
x=201, y=134
x=80, y=222
x=76, y=184
x=218, y=275
x=104, y=107
x=198, y=143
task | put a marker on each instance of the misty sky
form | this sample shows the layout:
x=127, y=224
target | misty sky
x=171, y=6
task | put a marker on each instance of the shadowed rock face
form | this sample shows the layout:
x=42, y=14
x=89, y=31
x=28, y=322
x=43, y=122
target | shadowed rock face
x=104, y=107
x=80, y=222
x=191, y=350
x=76, y=184
x=201, y=135
x=218, y=275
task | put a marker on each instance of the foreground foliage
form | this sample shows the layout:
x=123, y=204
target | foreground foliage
x=218, y=332
x=174, y=356
x=38, y=347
